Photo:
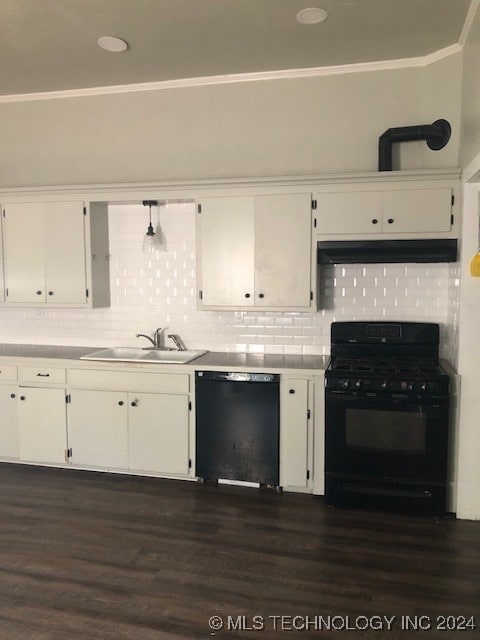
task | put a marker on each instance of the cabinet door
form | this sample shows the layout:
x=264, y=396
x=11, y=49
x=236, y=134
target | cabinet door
x=65, y=271
x=293, y=433
x=417, y=211
x=24, y=252
x=225, y=229
x=9, y=421
x=2, y=279
x=158, y=433
x=282, y=250
x=349, y=213
x=42, y=426
x=97, y=428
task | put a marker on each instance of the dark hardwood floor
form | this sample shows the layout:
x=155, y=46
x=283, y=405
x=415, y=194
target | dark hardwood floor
x=96, y=556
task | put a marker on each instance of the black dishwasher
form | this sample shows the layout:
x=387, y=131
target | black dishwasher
x=237, y=426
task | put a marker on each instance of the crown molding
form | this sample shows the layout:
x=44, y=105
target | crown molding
x=472, y=12
x=284, y=74
x=441, y=54
x=187, y=190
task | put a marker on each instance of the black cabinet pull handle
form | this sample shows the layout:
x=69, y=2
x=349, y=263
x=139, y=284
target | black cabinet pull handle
x=134, y=404
x=374, y=221
x=50, y=293
x=390, y=221
x=39, y=293
x=43, y=375
x=22, y=397
x=12, y=395
x=261, y=295
x=121, y=403
x=292, y=391
x=247, y=295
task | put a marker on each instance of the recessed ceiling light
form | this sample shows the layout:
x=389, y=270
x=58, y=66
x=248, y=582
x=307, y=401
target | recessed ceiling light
x=110, y=43
x=312, y=15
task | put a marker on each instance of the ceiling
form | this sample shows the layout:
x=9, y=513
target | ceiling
x=49, y=45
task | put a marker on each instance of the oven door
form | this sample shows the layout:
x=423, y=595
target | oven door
x=386, y=437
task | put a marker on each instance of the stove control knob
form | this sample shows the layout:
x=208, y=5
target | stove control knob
x=423, y=386
x=345, y=384
x=409, y=386
x=358, y=384
x=384, y=385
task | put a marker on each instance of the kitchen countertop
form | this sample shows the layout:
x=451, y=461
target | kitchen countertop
x=57, y=352
x=260, y=361
x=210, y=359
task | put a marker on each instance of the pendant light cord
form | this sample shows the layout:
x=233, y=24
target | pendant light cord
x=150, y=204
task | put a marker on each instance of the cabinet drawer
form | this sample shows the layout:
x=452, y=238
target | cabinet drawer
x=43, y=374
x=8, y=372
x=129, y=381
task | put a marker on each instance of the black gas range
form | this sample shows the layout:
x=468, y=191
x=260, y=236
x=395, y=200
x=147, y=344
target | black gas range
x=386, y=417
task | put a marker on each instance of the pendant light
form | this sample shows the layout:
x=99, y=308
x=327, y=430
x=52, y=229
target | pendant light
x=153, y=241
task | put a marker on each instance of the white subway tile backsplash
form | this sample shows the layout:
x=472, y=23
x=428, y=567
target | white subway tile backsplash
x=151, y=291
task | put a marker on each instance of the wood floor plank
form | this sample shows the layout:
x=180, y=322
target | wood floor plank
x=98, y=556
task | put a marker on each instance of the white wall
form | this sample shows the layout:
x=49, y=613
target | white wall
x=262, y=128
x=468, y=500
x=159, y=291
x=468, y=436
x=470, y=116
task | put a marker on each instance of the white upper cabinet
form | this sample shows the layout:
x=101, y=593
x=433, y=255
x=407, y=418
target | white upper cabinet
x=225, y=245
x=402, y=212
x=56, y=254
x=2, y=279
x=349, y=213
x=282, y=250
x=418, y=210
x=254, y=252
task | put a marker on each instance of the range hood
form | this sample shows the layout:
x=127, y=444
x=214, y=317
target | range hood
x=371, y=251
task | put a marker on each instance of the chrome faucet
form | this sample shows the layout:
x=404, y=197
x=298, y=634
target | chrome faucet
x=178, y=341
x=157, y=340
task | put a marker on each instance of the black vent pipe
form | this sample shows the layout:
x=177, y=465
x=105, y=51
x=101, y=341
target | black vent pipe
x=436, y=136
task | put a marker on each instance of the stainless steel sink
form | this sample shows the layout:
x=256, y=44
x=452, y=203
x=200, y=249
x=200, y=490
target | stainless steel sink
x=127, y=354
x=181, y=357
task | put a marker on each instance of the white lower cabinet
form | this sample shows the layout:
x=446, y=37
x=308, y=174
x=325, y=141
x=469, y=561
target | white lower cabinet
x=295, y=432
x=97, y=428
x=9, y=421
x=127, y=430
x=42, y=425
x=158, y=426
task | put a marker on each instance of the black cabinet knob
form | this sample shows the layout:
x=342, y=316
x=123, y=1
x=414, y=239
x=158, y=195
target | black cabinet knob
x=39, y=293
x=261, y=295
x=374, y=221
x=121, y=403
x=390, y=221
x=247, y=295
x=12, y=395
x=134, y=404
x=22, y=397
x=292, y=391
x=50, y=293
